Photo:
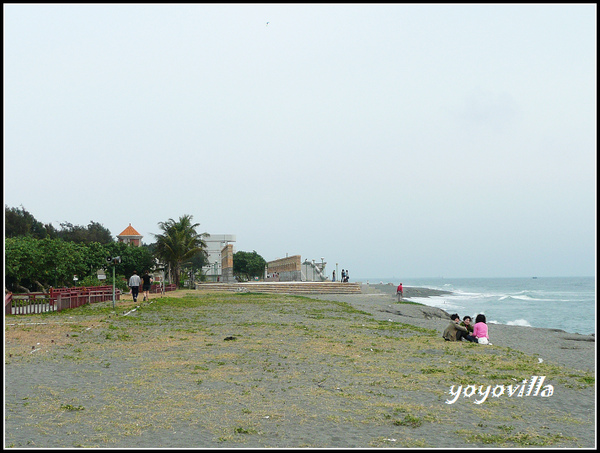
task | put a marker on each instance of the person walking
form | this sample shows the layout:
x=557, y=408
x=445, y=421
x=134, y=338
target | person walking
x=146, y=283
x=134, y=285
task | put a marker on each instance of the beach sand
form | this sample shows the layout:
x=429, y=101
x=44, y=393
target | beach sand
x=271, y=371
x=557, y=346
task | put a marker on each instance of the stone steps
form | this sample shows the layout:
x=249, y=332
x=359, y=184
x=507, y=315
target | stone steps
x=285, y=287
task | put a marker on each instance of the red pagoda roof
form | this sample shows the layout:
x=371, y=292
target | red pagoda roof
x=129, y=231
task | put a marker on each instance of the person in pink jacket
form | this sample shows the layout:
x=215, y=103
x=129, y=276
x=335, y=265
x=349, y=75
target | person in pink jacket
x=480, y=330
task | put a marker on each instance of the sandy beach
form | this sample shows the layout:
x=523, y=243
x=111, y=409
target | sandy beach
x=199, y=370
x=570, y=349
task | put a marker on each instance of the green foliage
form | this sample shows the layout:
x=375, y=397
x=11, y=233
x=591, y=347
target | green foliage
x=179, y=244
x=94, y=232
x=137, y=259
x=20, y=222
x=93, y=280
x=21, y=258
x=38, y=256
x=248, y=265
x=36, y=264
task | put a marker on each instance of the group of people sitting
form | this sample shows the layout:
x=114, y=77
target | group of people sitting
x=459, y=330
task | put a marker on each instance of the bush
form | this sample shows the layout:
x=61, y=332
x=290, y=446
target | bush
x=92, y=280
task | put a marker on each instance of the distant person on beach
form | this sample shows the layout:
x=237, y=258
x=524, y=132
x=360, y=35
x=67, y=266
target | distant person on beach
x=347, y=276
x=454, y=331
x=134, y=285
x=333, y=278
x=343, y=276
x=400, y=292
x=146, y=283
x=480, y=330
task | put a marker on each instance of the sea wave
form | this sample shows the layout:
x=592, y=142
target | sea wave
x=519, y=322
x=524, y=297
x=529, y=298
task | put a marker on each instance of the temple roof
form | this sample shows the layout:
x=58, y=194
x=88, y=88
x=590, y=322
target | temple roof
x=129, y=231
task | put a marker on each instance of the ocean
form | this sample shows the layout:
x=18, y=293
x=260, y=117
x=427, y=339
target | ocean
x=566, y=303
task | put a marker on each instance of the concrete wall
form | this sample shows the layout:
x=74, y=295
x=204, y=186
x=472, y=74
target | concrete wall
x=214, y=245
x=227, y=264
x=289, y=268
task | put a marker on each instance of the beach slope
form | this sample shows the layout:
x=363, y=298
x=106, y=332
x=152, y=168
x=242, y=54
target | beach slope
x=247, y=370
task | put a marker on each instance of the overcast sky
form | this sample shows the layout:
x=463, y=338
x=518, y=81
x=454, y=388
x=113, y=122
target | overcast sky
x=395, y=140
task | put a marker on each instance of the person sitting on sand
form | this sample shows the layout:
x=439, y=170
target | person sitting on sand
x=466, y=322
x=480, y=330
x=454, y=331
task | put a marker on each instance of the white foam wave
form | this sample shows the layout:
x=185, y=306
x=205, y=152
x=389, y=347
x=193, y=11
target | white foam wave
x=438, y=302
x=519, y=322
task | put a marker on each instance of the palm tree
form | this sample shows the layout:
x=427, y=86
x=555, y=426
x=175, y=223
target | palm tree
x=179, y=243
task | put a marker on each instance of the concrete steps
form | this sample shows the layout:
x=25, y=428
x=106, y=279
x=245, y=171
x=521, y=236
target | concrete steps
x=285, y=287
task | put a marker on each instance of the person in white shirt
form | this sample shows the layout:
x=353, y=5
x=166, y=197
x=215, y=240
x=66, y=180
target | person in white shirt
x=134, y=285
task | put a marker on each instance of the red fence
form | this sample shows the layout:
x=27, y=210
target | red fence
x=56, y=299
x=155, y=288
x=62, y=298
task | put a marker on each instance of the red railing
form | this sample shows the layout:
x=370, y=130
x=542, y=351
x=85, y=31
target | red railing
x=155, y=288
x=62, y=298
x=57, y=299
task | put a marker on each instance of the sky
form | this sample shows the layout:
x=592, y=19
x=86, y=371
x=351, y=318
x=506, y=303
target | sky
x=392, y=140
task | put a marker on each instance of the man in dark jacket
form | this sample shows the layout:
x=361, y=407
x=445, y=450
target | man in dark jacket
x=454, y=331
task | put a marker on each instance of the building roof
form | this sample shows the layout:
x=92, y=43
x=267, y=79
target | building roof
x=129, y=231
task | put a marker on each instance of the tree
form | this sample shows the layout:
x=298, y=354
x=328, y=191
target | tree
x=21, y=255
x=94, y=232
x=20, y=222
x=179, y=243
x=36, y=264
x=248, y=265
x=196, y=263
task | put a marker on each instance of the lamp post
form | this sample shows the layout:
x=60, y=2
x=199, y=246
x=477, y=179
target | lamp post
x=113, y=286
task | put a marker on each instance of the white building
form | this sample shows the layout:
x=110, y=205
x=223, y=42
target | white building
x=214, y=244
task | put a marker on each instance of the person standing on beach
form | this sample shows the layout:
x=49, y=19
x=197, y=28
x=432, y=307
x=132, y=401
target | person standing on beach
x=343, y=276
x=146, y=283
x=480, y=330
x=333, y=276
x=400, y=292
x=454, y=331
x=134, y=285
x=347, y=276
